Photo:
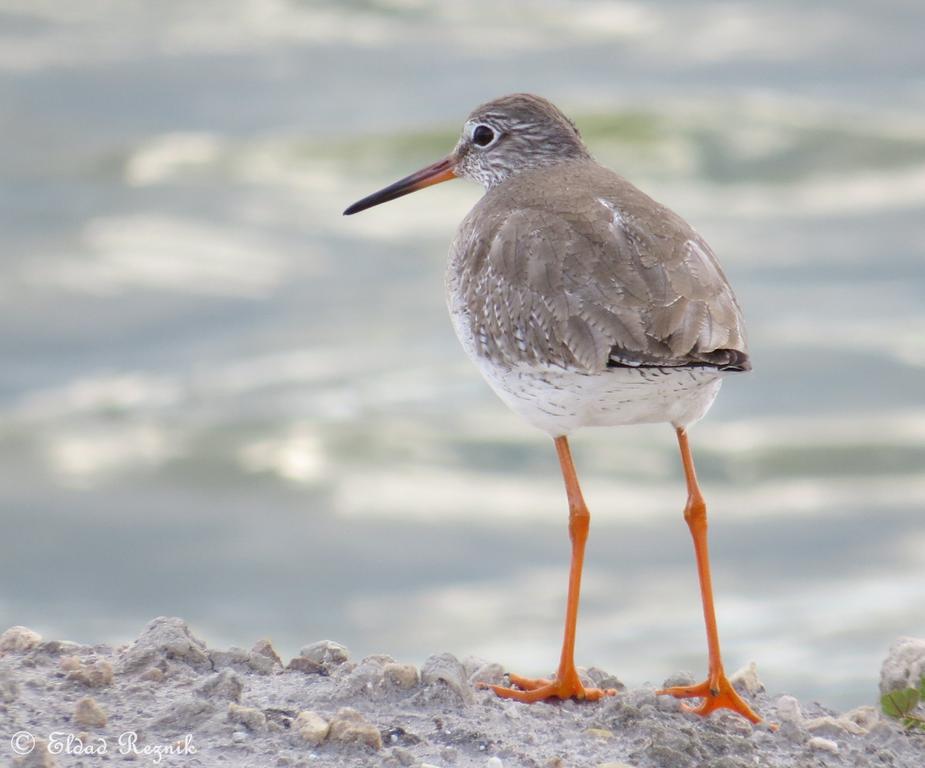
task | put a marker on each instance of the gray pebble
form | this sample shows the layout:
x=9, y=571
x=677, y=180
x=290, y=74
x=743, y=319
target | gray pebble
x=746, y=680
x=445, y=668
x=164, y=638
x=56, y=647
x=264, y=647
x=326, y=652
x=678, y=679
x=819, y=744
x=641, y=697
x=401, y=675
x=232, y=657
x=306, y=665
x=668, y=704
x=186, y=715
x=97, y=674
x=19, y=639
x=788, y=709
x=488, y=673
x=311, y=727
x=250, y=717
x=831, y=727
x=602, y=679
x=260, y=663
x=222, y=685
x=8, y=688
x=368, y=674
x=904, y=666
x=349, y=726
x=89, y=713
x=865, y=717
x=153, y=675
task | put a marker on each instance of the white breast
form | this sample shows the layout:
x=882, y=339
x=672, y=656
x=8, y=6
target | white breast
x=559, y=400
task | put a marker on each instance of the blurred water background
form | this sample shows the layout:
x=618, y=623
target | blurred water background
x=219, y=399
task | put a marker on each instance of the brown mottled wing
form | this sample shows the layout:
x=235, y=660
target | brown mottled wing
x=609, y=284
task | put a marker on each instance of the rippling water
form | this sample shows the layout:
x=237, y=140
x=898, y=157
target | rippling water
x=219, y=399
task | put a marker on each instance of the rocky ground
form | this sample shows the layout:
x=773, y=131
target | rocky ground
x=167, y=699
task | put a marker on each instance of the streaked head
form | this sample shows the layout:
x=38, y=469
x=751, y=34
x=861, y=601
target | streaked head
x=499, y=139
x=512, y=134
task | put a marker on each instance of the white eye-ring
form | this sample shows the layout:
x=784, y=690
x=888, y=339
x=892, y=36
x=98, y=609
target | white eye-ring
x=482, y=135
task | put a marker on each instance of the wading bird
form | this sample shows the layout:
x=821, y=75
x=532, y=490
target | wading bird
x=584, y=302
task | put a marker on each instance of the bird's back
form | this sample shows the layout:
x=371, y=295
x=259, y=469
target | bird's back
x=573, y=266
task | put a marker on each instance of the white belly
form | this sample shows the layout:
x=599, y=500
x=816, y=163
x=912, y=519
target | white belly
x=560, y=401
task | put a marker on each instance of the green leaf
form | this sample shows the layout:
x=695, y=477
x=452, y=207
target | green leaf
x=914, y=722
x=922, y=688
x=900, y=703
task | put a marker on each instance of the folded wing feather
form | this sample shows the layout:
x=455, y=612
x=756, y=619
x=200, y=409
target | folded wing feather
x=598, y=291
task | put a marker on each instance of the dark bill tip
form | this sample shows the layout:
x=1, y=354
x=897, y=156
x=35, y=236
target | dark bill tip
x=426, y=177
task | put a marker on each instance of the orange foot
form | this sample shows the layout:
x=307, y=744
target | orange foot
x=540, y=689
x=717, y=693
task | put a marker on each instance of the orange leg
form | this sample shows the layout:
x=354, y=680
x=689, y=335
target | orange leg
x=716, y=691
x=566, y=684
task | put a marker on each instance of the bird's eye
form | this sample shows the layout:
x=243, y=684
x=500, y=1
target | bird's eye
x=482, y=136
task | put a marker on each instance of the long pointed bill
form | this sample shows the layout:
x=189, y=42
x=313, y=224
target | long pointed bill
x=426, y=177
